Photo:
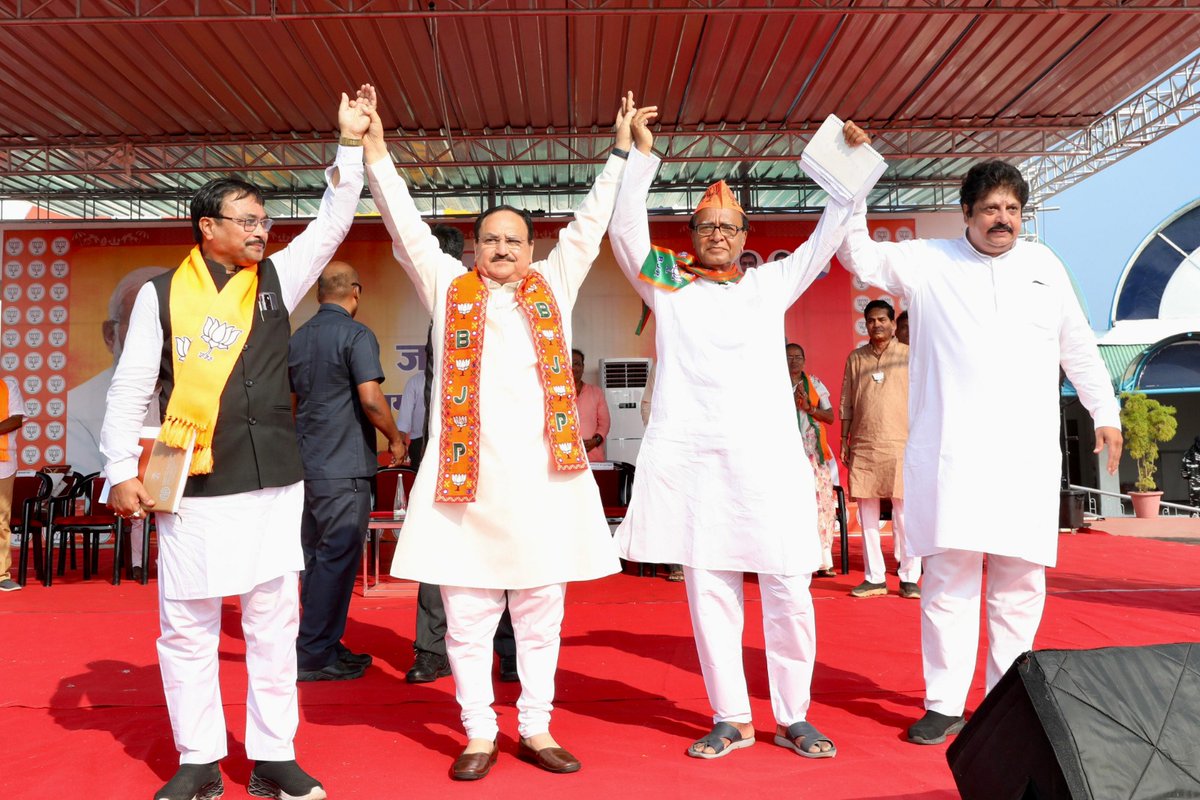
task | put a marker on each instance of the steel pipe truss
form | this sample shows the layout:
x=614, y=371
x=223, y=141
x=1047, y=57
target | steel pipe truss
x=458, y=169
x=1146, y=117
x=60, y=12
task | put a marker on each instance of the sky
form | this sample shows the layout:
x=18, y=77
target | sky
x=1103, y=219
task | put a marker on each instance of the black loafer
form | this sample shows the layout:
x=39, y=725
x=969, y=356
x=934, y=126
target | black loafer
x=337, y=671
x=427, y=668
x=933, y=728
x=508, y=669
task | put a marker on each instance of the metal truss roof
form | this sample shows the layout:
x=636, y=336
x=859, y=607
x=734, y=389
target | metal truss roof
x=122, y=108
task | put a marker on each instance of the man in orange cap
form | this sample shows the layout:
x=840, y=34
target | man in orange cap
x=722, y=473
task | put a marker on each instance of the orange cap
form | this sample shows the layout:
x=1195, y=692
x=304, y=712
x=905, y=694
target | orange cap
x=719, y=196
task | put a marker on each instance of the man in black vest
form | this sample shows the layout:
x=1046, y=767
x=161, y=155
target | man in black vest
x=333, y=364
x=236, y=529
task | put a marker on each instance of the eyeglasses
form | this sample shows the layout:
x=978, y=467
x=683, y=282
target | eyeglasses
x=249, y=224
x=707, y=229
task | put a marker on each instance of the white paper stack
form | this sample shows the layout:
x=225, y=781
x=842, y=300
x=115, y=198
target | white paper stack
x=846, y=173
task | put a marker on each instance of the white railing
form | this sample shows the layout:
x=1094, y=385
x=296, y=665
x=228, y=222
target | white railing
x=1165, y=509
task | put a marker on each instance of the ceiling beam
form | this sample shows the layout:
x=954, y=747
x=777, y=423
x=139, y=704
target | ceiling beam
x=66, y=12
x=132, y=159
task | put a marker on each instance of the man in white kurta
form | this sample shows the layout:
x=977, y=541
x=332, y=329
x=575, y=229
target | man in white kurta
x=530, y=529
x=242, y=541
x=723, y=483
x=993, y=318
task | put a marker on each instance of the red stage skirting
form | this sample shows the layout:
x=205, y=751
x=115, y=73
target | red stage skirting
x=82, y=712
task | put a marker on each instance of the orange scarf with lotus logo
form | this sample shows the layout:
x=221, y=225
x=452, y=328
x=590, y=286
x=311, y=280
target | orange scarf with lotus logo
x=208, y=330
x=462, y=354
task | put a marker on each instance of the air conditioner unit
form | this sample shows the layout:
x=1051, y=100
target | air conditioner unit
x=623, y=381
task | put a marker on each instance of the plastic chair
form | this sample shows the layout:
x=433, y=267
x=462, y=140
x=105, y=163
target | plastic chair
x=30, y=495
x=90, y=524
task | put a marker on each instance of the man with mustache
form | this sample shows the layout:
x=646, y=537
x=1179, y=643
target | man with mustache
x=723, y=483
x=874, y=428
x=990, y=312
x=505, y=502
x=213, y=333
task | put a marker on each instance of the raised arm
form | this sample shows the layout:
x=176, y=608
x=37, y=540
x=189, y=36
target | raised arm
x=413, y=243
x=579, y=242
x=300, y=263
x=629, y=230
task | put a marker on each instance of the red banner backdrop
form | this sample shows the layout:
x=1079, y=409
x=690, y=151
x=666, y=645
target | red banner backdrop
x=67, y=293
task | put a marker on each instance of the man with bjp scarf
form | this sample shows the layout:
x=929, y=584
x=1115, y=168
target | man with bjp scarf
x=722, y=476
x=504, y=508
x=214, y=334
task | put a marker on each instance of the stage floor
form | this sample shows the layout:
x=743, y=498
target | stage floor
x=82, y=711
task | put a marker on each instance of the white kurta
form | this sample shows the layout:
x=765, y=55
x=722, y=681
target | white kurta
x=722, y=479
x=987, y=338
x=530, y=525
x=230, y=544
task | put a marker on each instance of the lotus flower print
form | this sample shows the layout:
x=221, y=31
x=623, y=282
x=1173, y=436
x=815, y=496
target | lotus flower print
x=560, y=390
x=549, y=334
x=462, y=363
x=566, y=447
x=459, y=478
x=218, y=336
x=182, y=345
x=464, y=307
x=460, y=420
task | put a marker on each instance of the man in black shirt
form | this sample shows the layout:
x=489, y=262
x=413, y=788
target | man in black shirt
x=333, y=365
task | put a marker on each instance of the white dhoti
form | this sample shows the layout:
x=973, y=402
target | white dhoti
x=471, y=619
x=868, y=517
x=188, y=658
x=1016, y=594
x=716, y=603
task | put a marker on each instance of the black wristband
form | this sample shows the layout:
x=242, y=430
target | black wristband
x=619, y=153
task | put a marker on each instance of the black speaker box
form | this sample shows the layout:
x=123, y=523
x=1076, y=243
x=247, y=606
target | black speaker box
x=1118, y=723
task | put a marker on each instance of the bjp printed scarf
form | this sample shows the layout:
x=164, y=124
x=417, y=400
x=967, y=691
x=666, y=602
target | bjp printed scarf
x=200, y=315
x=462, y=357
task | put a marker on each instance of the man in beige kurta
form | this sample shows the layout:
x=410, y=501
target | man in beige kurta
x=874, y=430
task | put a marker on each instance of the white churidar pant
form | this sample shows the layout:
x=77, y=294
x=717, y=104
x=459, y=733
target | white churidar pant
x=188, y=658
x=868, y=517
x=1016, y=594
x=471, y=619
x=716, y=603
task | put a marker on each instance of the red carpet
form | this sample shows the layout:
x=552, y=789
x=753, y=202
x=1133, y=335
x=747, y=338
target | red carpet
x=83, y=715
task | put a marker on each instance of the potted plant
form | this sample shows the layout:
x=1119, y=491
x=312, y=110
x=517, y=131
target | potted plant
x=1145, y=423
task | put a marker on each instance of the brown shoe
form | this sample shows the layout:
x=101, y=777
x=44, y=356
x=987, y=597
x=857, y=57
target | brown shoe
x=473, y=766
x=551, y=759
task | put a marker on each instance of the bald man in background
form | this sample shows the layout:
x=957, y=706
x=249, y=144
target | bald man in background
x=333, y=365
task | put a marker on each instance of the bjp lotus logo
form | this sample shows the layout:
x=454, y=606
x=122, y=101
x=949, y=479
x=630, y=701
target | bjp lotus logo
x=548, y=333
x=561, y=391
x=458, y=478
x=459, y=420
x=218, y=336
x=566, y=447
x=462, y=363
x=182, y=344
x=463, y=308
